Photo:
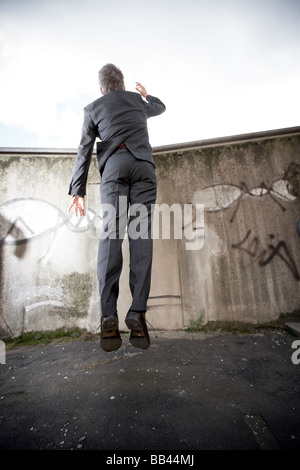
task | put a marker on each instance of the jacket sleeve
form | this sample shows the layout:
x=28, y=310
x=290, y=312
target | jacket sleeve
x=83, y=159
x=154, y=106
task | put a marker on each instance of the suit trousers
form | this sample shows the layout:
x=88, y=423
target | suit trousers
x=128, y=193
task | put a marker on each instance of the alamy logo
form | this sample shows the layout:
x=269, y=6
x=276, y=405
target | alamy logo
x=2, y=353
x=296, y=355
x=157, y=221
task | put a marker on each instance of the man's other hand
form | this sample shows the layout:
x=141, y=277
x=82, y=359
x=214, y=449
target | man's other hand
x=141, y=89
x=78, y=204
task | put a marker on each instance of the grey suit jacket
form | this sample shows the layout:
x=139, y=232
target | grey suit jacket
x=117, y=117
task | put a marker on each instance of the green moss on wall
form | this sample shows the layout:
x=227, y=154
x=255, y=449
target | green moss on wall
x=78, y=287
x=5, y=162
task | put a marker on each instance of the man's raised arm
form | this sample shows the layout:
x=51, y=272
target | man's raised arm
x=154, y=105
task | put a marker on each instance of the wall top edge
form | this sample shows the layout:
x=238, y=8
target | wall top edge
x=262, y=135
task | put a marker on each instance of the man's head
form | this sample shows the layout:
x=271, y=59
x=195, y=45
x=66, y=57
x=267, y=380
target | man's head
x=110, y=79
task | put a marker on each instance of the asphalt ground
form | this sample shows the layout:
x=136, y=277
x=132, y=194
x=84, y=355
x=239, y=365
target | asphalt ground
x=186, y=393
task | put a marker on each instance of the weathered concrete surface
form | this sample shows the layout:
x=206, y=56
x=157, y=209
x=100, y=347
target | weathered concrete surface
x=187, y=392
x=244, y=261
x=248, y=268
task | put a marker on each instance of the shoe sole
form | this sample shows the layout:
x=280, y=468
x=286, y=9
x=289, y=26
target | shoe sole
x=110, y=344
x=110, y=323
x=112, y=341
x=134, y=324
x=136, y=327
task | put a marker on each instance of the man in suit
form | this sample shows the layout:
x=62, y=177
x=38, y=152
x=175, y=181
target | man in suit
x=125, y=161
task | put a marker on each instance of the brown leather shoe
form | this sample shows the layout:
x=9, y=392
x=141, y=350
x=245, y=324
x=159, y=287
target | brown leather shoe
x=110, y=338
x=139, y=336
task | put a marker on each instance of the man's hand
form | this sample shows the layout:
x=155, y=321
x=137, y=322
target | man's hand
x=78, y=204
x=141, y=89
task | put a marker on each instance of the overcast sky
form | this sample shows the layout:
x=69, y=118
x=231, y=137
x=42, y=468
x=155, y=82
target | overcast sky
x=222, y=67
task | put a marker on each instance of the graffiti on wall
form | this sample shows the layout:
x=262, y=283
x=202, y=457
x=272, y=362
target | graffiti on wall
x=265, y=254
x=221, y=197
x=23, y=220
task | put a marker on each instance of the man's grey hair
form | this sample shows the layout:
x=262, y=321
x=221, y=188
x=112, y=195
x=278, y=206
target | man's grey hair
x=110, y=78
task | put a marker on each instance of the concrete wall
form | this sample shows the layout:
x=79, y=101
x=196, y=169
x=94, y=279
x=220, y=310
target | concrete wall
x=246, y=266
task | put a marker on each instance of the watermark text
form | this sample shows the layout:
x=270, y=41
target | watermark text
x=2, y=352
x=155, y=221
x=296, y=355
